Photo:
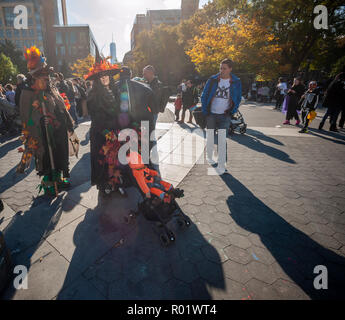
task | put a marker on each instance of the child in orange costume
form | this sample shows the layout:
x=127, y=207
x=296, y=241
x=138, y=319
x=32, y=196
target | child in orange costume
x=149, y=180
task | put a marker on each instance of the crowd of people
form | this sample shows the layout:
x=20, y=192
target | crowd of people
x=299, y=100
x=75, y=89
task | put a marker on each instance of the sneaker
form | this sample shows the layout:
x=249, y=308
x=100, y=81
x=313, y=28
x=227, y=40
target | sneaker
x=286, y=122
x=211, y=161
x=303, y=131
x=298, y=122
x=222, y=170
x=320, y=126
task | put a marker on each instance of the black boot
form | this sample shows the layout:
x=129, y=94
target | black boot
x=178, y=193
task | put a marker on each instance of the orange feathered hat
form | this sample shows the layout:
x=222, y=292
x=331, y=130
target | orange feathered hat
x=101, y=68
x=36, y=62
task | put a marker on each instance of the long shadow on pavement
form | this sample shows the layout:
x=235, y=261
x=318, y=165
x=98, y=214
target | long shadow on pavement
x=127, y=262
x=26, y=232
x=337, y=138
x=11, y=178
x=295, y=252
x=254, y=143
x=8, y=146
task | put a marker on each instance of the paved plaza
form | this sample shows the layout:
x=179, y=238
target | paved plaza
x=257, y=233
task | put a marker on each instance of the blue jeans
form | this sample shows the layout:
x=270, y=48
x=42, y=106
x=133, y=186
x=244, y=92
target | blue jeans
x=221, y=122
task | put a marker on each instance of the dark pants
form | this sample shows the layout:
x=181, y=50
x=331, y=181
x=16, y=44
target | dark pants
x=184, y=113
x=177, y=114
x=327, y=114
x=279, y=101
x=342, y=119
x=305, y=119
x=334, y=116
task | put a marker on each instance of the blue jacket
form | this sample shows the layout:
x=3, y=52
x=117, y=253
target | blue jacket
x=210, y=91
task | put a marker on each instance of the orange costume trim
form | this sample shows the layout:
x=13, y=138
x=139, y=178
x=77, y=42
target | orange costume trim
x=148, y=179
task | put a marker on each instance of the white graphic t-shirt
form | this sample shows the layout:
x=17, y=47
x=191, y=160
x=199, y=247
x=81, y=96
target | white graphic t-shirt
x=220, y=103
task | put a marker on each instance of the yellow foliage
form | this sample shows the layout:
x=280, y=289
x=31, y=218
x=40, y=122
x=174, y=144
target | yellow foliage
x=247, y=42
x=82, y=66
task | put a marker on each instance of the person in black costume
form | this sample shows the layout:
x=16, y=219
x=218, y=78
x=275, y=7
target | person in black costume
x=294, y=95
x=104, y=107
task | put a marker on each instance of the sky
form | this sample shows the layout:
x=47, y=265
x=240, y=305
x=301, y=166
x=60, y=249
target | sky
x=107, y=17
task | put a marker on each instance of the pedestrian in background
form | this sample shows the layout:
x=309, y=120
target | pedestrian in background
x=310, y=100
x=294, y=95
x=178, y=106
x=190, y=98
x=20, y=85
x=10, y=94
x=334, y=101
x=280, y=93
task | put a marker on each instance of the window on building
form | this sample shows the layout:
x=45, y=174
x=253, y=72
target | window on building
x=9, y=16
x=62, y=51
x=32, y=33
x=58, y=37
x=16, y=33
x=8, y=34
x=24, y=33
x=30, y=22
x=73, y=37
x=1, y=22
x=19, y=44
x=83, y=37
x=2, y=34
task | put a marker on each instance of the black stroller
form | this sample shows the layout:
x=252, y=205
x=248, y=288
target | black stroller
x=237, y=122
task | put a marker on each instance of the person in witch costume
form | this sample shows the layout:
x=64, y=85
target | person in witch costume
x=47, y=126
x=104, y=108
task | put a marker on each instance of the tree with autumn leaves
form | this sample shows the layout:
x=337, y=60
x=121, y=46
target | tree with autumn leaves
x=267, y=38
x=82, y=66
x=249, y=44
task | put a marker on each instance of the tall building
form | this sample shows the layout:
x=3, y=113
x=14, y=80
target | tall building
x=156, y=17
x=72, y=42
x=113, y=51
x=41, y=15
x=188, y=8
x=48, y=29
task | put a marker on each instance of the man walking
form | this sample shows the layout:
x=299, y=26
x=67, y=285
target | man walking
x=190, y=98
x=220, y=100
x=280, y=93
x=156, y=87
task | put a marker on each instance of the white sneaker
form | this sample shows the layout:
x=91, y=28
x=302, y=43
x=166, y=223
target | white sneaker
x=210, y=161
x=222, y=170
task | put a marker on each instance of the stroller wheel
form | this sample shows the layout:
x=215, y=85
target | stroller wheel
x=130, y=219
x=164, y=240
x=187, y=222
x=171, y=236
x=243, y=130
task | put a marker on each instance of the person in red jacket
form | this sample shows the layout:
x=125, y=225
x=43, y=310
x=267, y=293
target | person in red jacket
x=149, y=181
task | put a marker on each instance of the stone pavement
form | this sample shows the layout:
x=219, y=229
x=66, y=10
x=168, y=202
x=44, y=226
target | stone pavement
x=257, y=232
